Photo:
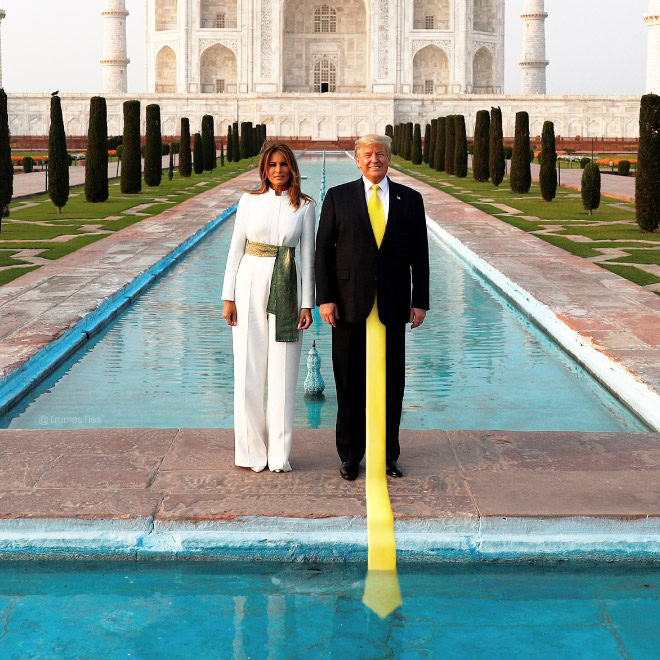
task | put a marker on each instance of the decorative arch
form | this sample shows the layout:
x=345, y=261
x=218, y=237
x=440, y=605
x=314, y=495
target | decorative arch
x=325, y=19
x=165, y=71
x=306, y=26
x=166, y=15
x=484, y=17
x=325, y=75
x=483, y=72
x=430, y=71
x=218, y=70
x=431, y=14
x=218, y=14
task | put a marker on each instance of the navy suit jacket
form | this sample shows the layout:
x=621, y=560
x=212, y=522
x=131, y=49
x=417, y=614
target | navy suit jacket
x=350, y=267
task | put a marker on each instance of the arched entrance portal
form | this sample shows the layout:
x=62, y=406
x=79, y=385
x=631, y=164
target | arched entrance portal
x=165, y=71
x=324, y=46
x=218, y=70
x=430, y=71
x=484, y=72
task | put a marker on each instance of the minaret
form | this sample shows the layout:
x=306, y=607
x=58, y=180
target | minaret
x=652, y=19
x=2, y=15
x=533, y=54
x=114, y=60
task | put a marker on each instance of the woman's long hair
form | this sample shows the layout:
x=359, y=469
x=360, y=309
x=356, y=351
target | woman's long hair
x=296, y=196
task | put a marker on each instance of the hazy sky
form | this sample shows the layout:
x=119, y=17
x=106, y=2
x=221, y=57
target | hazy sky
x=594, y=46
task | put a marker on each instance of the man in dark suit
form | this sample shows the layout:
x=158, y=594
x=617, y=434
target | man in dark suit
x=350, y=271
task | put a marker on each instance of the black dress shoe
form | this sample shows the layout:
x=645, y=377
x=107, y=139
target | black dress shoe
x=393, y=469
x=349, y=470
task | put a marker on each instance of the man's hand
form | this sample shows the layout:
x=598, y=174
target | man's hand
x=417, y=317
x=329, y=313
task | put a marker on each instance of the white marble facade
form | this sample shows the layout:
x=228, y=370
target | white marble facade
x=431, y=47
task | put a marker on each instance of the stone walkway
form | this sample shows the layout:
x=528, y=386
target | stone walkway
x=179, y=475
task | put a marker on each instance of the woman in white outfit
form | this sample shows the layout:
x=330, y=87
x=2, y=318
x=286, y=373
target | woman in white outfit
x=268, y=301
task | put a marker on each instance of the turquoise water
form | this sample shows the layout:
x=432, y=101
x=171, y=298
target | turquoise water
x=476, y=363
x=271, y=611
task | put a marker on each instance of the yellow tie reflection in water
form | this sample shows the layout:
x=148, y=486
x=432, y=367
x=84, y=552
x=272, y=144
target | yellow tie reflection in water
x=381, y=592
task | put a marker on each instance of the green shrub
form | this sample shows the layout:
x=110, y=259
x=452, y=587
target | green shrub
x=647, y=182
x=434, y=137
x=153, y=148
x=96, y=171
x=120, y=151
x=450, y=144
x=28, y=164
x=480, y=147
x=114, y=141
x=623, y=167
x=440, y=145
x=460, y=151
x=58, y=157
x=416, y=153
x=427, y=143
x=175, y=147
x=591, y=187
x=6, y=165
x=185, y=157
x=198, y=154
x=165, y=149
x=508, y=152
x=131, y=163
x=497, y=164
x=548, y=160
x=584, y=162
x=521, y=173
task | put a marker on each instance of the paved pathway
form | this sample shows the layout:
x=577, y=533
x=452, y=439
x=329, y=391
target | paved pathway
x=35, y=182
x=187, y=474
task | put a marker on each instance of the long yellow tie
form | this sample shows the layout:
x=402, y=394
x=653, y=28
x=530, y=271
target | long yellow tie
x=382, y=593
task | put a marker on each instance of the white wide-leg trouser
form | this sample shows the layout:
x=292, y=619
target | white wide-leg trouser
x=262, y=436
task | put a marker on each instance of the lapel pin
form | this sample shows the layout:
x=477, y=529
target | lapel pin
x=399, y=198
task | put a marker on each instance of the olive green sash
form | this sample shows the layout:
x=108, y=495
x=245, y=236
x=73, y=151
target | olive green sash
x=283, y=297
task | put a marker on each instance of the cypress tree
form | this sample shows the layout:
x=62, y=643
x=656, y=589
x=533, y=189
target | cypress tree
x=245, y=139
x=480, y=158
x=416, y=153
x=461, y=150
x=408, y=146
x=185, y=158
x=6, y=166
x=440, y=144
x=153, y=151
x=264, y=135
x=230, y=142
x=647, y=183
x=548, y=174
x=497, y=162
x=208, y=143
x=591, y=187
x=235, y=145
x=198, y=154
x=170, y=169
x=96, y=166
x=131, y=156
x=222, y=154
x=389, y=131
x=58, y=158
x=434, y=136
x=395, y=141
x=521, y=171
x=450, y=144
x=427, y=143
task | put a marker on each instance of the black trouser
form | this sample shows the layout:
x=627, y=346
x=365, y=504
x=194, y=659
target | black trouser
x=350, y=368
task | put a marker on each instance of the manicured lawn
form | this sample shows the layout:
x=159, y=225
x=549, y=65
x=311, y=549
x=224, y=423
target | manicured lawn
x=36, y=221
x=611, y=226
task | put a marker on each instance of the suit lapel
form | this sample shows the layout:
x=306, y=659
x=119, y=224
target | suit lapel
x=363, y=211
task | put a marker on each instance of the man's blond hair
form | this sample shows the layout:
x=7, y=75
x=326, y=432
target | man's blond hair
x=372, y=139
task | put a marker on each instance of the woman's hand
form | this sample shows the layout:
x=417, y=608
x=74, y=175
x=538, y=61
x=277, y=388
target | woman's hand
x=305, y=318
x=229, y=312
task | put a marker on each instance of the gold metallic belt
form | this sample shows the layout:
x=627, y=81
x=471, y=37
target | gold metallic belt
x=261, y=249
x=283, y=296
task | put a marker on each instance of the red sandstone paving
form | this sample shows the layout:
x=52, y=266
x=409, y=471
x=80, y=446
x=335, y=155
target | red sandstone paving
x=189, y=475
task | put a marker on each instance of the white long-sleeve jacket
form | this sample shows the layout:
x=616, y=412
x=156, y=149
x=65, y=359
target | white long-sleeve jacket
x=270, y=218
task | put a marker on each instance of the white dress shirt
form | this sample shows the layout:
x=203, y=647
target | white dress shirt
x=383, y=193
